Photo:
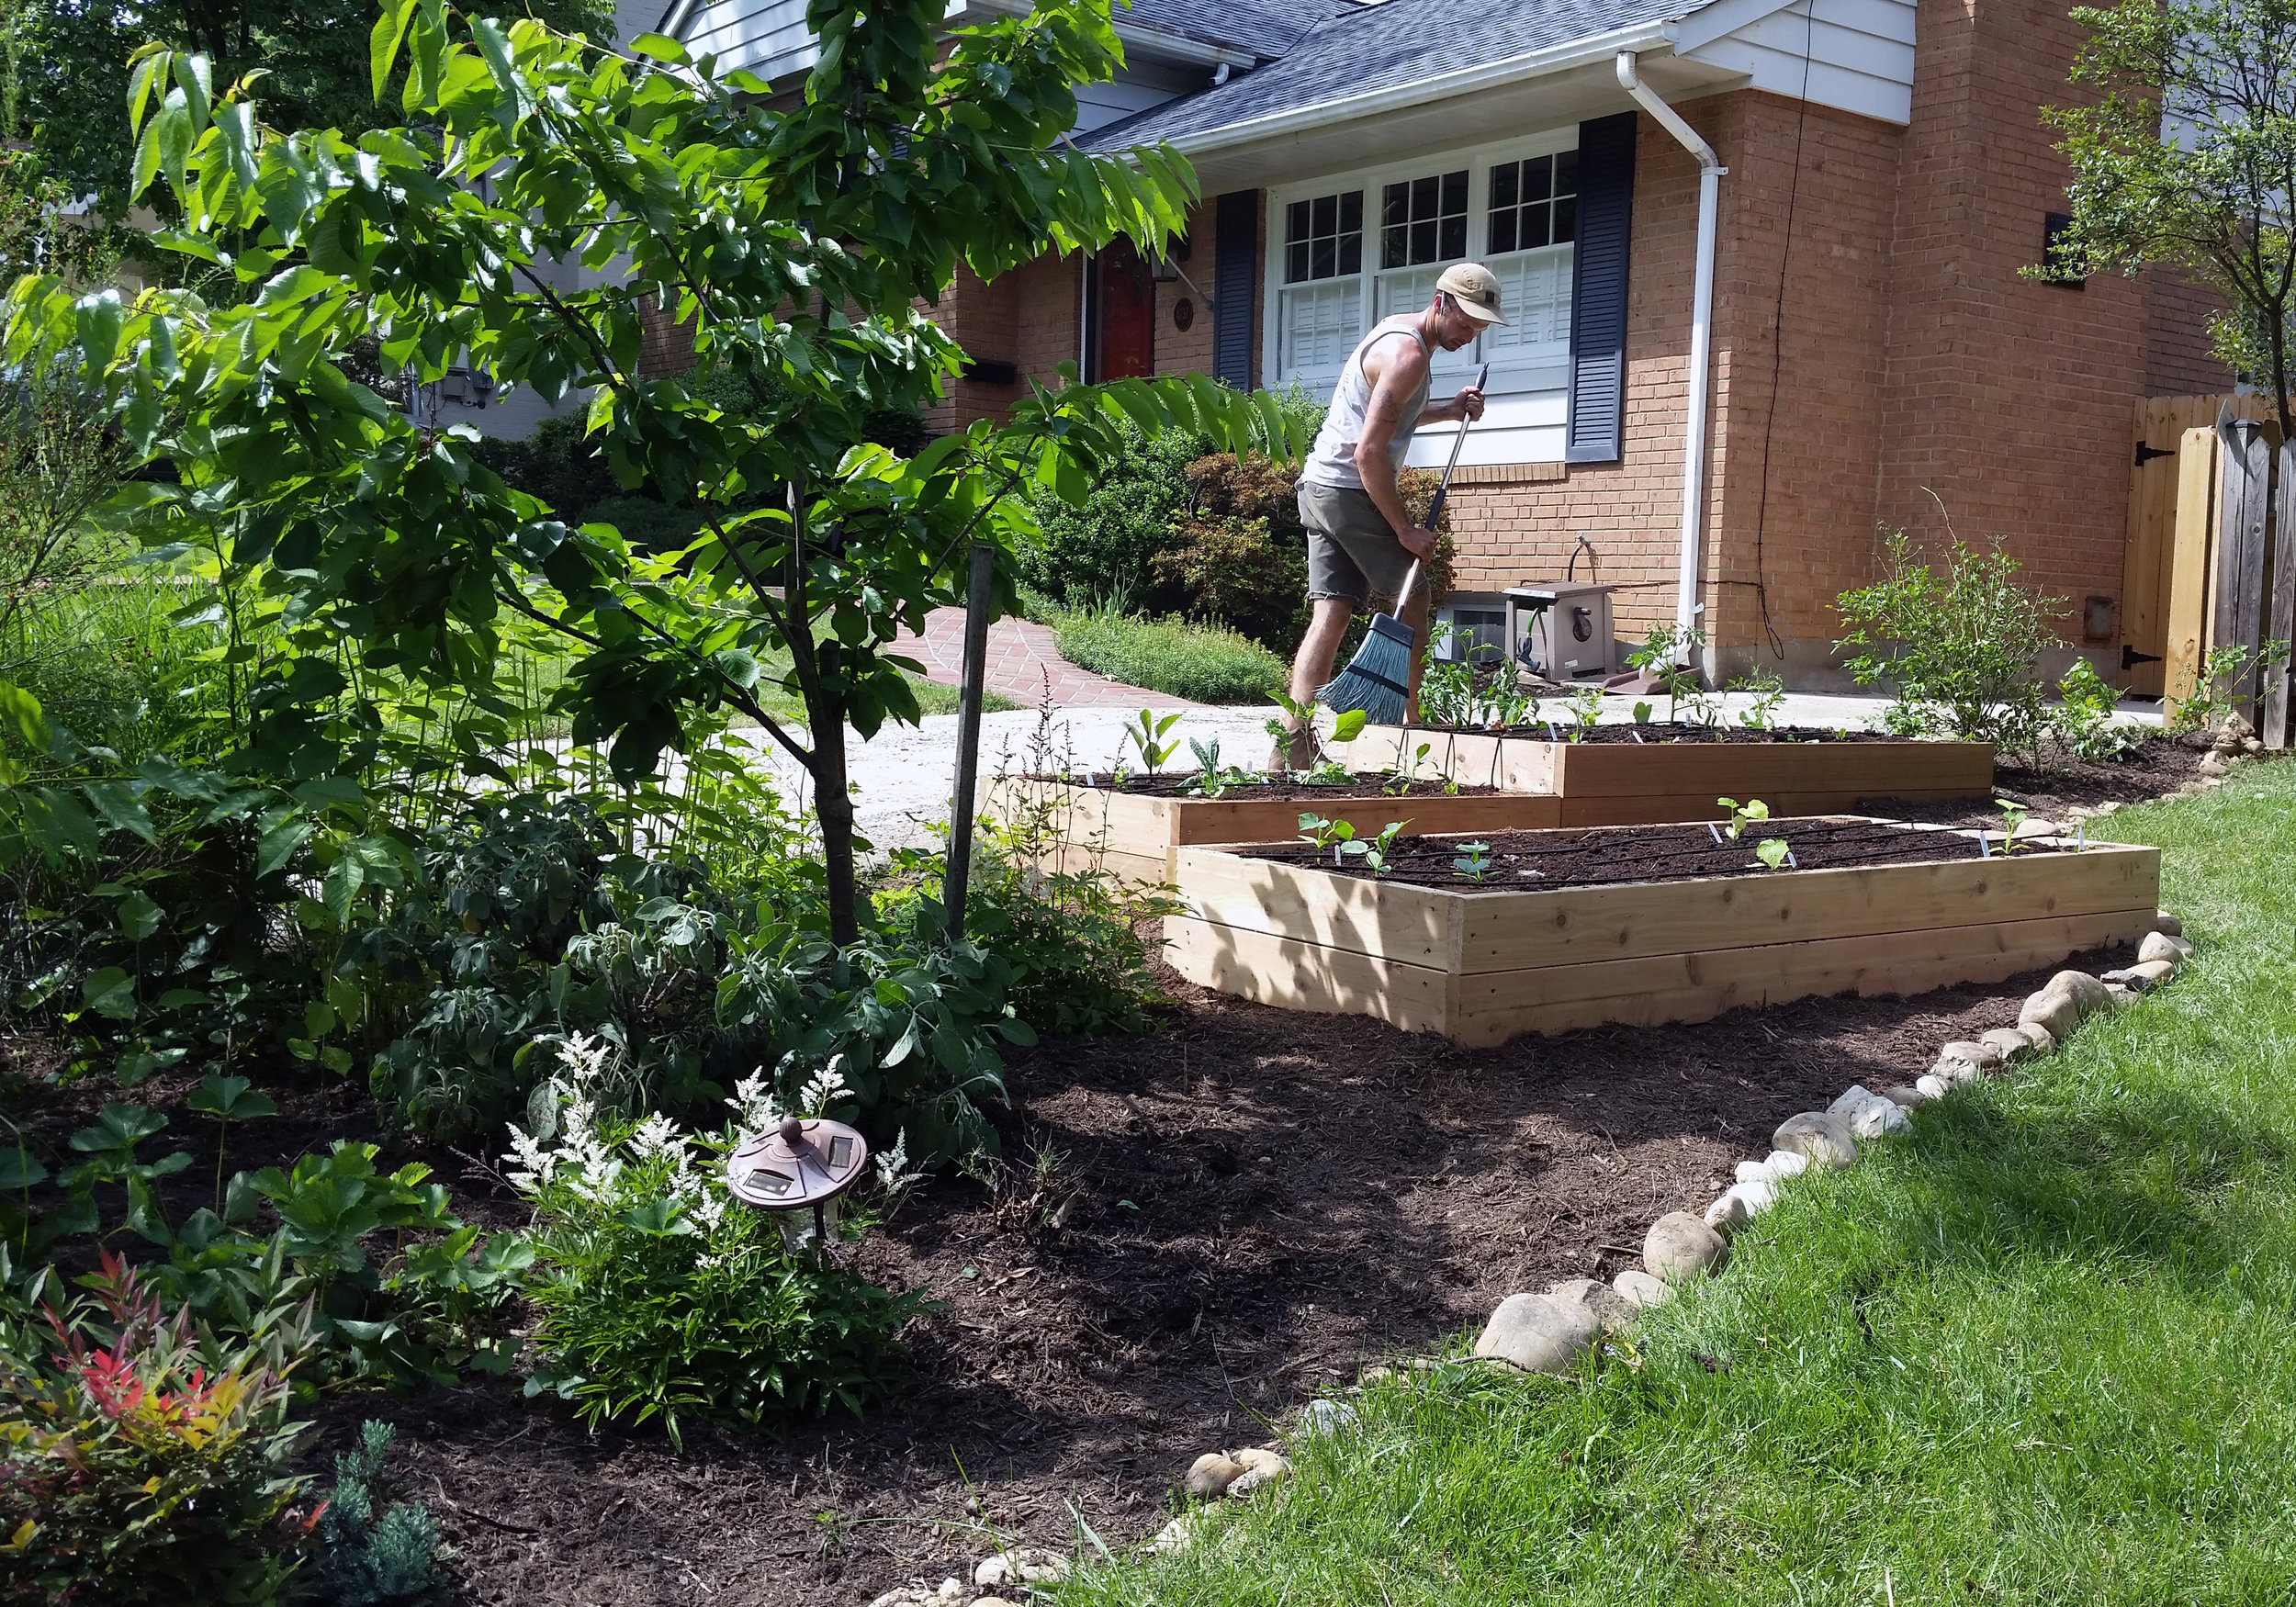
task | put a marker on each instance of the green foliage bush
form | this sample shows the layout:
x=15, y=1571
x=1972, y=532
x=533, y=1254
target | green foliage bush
x=1206, y=664
x=663, y=1296
x=1959, y=649
x=372, y=1551
x=139, y=1461
x=1104, y=550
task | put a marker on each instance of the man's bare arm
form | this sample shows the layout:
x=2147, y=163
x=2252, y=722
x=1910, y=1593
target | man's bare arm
x=1395, y=375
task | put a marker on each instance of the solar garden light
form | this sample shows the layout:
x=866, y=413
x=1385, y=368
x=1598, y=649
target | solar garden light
x=795, y=1175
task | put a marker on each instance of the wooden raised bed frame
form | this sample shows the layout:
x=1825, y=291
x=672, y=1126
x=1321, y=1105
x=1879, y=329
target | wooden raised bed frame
x=1139, y=837
x=1480, y=967
x=1638, y=783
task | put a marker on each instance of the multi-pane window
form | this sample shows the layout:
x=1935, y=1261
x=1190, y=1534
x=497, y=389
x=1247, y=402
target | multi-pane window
x=1323, y=238
x=1534, y=202
x=1424, y=220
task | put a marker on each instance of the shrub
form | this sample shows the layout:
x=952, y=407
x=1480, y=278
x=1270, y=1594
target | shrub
x=662, y=1295
x=369, y=1554
x=2082, y=721
x=1205, y=664
x=141, y=1462
x=1959, y=649
x=1104, y=551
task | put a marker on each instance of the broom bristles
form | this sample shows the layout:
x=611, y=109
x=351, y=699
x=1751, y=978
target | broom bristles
x=1378, y=678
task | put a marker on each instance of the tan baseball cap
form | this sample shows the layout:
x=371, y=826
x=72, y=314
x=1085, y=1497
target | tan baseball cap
x=1474, y=288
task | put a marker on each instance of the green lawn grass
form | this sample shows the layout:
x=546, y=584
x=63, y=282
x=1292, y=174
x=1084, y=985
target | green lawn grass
x=1206, y=664
x=2040, y=1352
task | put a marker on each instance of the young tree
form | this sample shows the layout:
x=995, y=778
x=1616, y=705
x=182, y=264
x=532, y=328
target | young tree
x=797, y=239
x=2187, y=157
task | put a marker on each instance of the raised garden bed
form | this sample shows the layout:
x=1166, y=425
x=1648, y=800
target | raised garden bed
x=1676, y=772
x=1698, y=930
x=1136, y=831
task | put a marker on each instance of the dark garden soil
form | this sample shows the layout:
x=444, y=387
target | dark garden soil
x=1519, y=861
x=2159, y=765
x=1656, y=732
x=1191, y=1234
x=1362, y=785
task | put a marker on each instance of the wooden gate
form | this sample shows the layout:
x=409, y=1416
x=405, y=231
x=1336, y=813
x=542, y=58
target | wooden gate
x=2211, y=560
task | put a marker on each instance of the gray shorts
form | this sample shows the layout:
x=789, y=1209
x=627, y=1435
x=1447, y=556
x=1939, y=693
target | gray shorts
x=1352, y=551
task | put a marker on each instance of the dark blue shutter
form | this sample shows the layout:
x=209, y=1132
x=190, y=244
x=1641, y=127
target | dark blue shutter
x=1598, y=290
x=1235, y=243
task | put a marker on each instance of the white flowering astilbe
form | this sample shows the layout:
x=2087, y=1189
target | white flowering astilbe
x=894, y=1176
x=826, y=1086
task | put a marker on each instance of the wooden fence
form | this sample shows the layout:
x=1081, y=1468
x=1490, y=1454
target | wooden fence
x=2211, y=560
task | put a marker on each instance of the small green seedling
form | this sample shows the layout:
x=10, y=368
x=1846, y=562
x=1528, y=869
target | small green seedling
x=1772, y=851
x=1146, y=733
x=228, y=1099
x=1215, y=778
x=1642, y=713
x=1399, y=781
x=1586, y=708
x=1767, y=692
x=1751, y=813
x=1374, y=852
x=2016, y=813
x=1473, y=860
x=1334, y=834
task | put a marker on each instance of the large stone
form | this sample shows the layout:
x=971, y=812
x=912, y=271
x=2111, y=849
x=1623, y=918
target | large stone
x=1932, y=1087
x=2213, y=766
x=1640, y=1290
x=1251, y=1483
x=1980, y=1054
x=1325, y=1417
x=1539, y=1334
x=1174, y=1537
x=2118, y=995
x=2161, y=946
x=1611, y=1308
x=1680, y=1246
x=2169, y=925
x=1753, y=1171
x=1785, y=1163
x=2043, y=1040
x=949, y=1594
x=1210, y=1475
x=2007, y=1043
x=1259, y=1459
x=1880, y=1118
x=1026, y=1565
x=1855, y=1097
x=1740, y=1204
x=2151, y=973
x=2087, y=991
x=1820, y=1135
x=1955, y=1074
x=2054, y=1010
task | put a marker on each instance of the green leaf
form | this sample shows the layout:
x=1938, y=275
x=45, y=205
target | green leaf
x=232, y=1098
x=110, y=992
x=283, y=832
x=139, y=916
x=119, y=808
x=118, y=1127
x=1349, y=725
x=19, y=1170
x=384, y=40
x=342, y=882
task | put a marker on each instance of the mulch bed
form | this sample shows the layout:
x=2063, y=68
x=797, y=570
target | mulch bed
x=2158, y=765
x=1191, y=1234
x=1520, y=861
x=1362, y=785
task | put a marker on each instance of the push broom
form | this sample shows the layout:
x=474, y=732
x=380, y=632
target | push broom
x=1377, y=679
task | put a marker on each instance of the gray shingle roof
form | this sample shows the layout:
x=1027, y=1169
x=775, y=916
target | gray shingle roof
x=1379, y=47
x=1265, y=27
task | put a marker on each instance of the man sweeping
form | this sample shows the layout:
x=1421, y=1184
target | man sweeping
x=1361, y=538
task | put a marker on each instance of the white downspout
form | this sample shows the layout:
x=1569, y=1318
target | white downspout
x=1710, y=172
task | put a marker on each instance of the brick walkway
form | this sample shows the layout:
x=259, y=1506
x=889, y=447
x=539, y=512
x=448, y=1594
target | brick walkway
x=1022, y=658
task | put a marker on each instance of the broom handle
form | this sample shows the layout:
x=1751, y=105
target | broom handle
x=1435, y=509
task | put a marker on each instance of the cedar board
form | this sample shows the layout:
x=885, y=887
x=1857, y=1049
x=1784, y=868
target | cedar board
x=1481, y=968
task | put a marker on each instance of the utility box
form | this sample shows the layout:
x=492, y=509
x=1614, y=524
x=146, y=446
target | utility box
x=1561, y=630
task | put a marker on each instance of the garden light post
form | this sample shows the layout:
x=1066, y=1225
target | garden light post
x=796, y=1171
x=979, y=602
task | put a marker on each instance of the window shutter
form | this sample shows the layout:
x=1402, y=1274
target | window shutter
x=1236, y=235
x=1598, y=303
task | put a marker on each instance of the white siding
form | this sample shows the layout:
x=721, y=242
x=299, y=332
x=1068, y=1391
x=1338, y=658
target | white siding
x=1856, y=55
x=768, y=39
x=1101, y=104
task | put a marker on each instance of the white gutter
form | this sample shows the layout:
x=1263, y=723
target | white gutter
x=1710, y=172
x=1585, y=52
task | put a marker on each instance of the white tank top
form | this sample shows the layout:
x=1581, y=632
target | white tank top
x=1332, y=460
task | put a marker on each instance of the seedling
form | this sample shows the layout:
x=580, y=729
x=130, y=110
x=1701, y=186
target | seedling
x=1399, y=779
x=2016, y=813
x=1374, y=852
x=1767, y=692
x=1145, y=734
x=1772, y=851
x=228, y=1099
x=1642, y=713
x=1753, y=812
x=1334, y=834
x=1656, y=657
x=1215, y=778
x=1473, y=860
x=1586, y=708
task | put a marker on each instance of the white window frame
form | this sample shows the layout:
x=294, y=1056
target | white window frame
x=1518, y=367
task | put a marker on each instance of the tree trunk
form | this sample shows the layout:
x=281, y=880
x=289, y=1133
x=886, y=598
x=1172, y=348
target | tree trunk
x=832, y=804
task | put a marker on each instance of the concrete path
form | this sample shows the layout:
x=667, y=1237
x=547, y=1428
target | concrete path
x=1025, y=664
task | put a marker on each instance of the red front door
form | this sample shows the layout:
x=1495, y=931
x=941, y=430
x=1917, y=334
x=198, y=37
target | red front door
x=1125, y=314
